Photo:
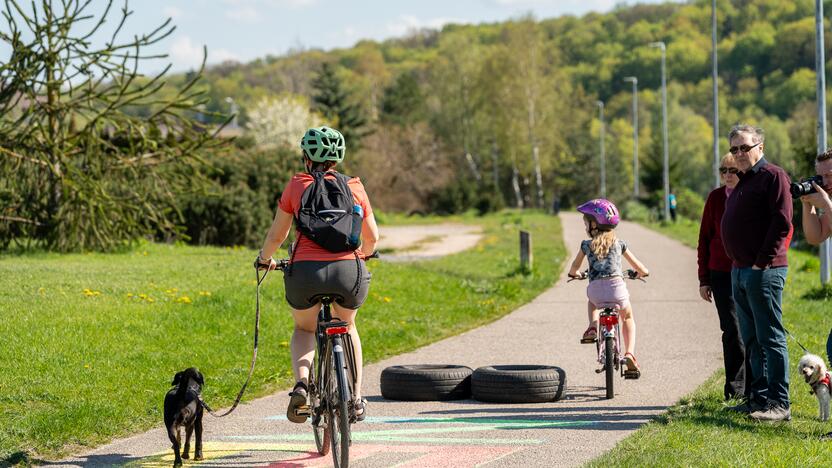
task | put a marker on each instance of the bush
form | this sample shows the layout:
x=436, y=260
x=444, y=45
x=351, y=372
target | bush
x=689, y=204
x=632, y=210
x=239, y=205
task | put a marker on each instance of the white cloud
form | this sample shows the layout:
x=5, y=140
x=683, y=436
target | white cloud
x=184, y=53
x=273, y=3
x=172, y=12
x=246, y=14
x=566, y=5
x=407, y=23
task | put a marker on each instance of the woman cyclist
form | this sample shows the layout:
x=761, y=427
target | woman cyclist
x=315, y=271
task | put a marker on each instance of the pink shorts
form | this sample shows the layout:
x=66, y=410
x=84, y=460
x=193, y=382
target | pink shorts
x=608, y=291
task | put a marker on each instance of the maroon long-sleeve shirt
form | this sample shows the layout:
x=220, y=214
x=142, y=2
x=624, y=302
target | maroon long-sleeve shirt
x=710, y=251
x=757, y=222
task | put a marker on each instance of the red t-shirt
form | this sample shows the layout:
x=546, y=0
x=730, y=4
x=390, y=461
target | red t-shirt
x=305, y=249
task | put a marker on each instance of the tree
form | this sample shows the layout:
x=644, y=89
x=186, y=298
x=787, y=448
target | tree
x=280, y=122
x=332, y=100
x=403, y=102
x=79, y=172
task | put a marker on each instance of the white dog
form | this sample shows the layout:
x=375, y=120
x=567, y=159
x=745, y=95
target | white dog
x=813, y=370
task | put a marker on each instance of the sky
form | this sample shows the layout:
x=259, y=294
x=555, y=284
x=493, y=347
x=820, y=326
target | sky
x=244, y=30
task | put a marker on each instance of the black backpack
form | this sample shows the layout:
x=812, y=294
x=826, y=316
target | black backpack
x=328, y=214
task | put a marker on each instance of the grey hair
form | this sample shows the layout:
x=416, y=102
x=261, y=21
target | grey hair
x=756, y=133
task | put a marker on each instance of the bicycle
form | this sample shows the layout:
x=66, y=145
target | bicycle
x=609, y=353
x=331, y=383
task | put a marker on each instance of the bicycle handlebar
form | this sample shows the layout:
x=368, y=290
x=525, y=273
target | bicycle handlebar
x=283, y=263
x=628, y=274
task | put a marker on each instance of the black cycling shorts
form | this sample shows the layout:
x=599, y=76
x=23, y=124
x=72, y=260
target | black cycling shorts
x=307, y=281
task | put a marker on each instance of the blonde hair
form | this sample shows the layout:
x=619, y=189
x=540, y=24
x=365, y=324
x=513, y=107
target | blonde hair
x=602, y=240
x=726, y=158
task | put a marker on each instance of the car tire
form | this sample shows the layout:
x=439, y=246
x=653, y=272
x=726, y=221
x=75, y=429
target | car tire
x=518, y=384
x=426, y=382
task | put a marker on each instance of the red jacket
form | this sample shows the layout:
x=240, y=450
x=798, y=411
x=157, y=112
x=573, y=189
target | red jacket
x=711, y=253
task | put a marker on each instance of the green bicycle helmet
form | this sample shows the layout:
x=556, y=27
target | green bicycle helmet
x=321, y=144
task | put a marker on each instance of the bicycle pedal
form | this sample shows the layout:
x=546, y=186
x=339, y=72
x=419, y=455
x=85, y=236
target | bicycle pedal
x=599, y=370
x=303, y=411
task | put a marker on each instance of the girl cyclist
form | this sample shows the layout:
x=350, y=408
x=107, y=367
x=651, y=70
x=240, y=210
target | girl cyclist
x=315, y=271
x=606, y=284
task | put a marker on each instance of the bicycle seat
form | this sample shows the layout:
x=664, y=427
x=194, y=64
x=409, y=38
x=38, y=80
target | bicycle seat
x=326, y=298
x=609, y=305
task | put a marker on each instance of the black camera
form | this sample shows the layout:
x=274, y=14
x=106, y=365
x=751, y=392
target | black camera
x=804, y=187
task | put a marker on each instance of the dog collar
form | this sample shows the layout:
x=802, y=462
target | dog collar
x=826, y=380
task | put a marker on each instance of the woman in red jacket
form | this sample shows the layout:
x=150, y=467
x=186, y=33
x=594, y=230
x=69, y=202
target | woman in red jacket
x=715, y=279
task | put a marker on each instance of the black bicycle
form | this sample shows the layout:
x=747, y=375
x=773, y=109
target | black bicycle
x=331, y=383
x=609, y=350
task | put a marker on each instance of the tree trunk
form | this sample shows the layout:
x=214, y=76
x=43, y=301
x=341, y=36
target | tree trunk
x=495, y=167
x=515, y=184
x=538, y=175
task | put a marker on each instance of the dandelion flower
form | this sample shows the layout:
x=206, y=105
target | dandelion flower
x=184, y=300
x=284, y=344
x=387, y=299
x=205, y=293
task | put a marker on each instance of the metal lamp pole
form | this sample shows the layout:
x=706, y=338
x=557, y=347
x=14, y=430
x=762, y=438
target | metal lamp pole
x=666, y=171
x=603, y=155
x=234, y=111
x=821, y=93
x=634, y=80
x=716, y=94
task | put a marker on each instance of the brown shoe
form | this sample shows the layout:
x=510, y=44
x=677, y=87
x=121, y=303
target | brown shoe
x=298, y=409
x=632, y=371
x=590, y=335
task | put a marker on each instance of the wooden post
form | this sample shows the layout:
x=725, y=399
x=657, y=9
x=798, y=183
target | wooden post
x=525, y=251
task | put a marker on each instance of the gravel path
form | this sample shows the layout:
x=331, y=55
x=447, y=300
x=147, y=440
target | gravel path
x=423, y=242
x=678, y=348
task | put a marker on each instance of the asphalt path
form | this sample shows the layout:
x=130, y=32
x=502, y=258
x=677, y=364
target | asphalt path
x=678, y=347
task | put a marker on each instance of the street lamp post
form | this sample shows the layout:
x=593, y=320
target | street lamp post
x=716, y=94
x=820, y=63
x=634, y=80
x=234, y=111
x=666, y=171
x=603, y=156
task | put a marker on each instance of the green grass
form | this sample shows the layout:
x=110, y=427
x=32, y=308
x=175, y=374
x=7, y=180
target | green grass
x=697, y=432
x=91, y=341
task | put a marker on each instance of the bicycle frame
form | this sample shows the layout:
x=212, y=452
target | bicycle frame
x=331, y=395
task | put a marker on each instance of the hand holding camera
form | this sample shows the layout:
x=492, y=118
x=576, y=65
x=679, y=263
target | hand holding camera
x=806, y=186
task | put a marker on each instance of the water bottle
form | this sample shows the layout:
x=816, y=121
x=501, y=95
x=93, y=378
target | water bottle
x=357, y=217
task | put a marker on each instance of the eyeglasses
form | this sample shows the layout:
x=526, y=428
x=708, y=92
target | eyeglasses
x=743, y=148
x=728, y=170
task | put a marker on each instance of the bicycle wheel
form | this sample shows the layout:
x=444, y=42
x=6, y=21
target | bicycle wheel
x=338, y=407
x=317, y=403
x=609, y=365
x=320, y=427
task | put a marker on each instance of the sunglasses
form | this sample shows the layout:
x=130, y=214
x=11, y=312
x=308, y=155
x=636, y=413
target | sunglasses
x=728, y=170
x=743, y=148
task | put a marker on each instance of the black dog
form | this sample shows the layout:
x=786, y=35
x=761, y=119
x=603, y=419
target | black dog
x=183, y=408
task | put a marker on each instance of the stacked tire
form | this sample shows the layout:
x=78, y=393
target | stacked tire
x=494, y=384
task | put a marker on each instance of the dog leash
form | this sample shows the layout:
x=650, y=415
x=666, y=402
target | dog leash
x=260, y=280
x=798, y=343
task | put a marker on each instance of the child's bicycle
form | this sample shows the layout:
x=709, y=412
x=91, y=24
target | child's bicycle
x=609, y=352
x=331, y=383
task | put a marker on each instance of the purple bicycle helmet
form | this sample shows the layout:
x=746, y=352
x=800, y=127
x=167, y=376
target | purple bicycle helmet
x=603, y=211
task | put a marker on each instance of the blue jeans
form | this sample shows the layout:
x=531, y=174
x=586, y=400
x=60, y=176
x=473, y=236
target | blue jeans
x=758, y=296
x=829, y=347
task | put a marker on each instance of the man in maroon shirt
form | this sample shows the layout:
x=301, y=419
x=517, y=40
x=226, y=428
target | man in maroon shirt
x=755, y=231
